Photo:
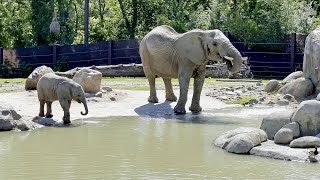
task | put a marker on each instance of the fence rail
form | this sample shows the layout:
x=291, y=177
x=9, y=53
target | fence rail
x=262, y=63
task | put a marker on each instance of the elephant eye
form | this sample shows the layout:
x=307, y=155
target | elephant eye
x=214, y=44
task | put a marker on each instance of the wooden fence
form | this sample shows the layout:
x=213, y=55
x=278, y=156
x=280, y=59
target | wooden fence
x=263, y=64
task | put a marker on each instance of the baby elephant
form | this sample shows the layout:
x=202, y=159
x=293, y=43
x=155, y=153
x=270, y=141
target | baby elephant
x=52, y=87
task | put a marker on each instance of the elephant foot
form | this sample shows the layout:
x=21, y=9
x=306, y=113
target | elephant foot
x=41, y=114
x=195, y=109
x=49, y=115
x=179, y=110
x=153, y=99
x=66, y=119
x=171, y=98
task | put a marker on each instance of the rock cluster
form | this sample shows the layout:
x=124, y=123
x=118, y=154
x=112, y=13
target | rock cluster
x=11, y=120
x=284, y=127
x=255, y=93
x=241, y=140
x=299, y=128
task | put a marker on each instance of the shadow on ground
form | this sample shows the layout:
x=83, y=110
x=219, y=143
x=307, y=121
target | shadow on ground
x=52, y=123
x=165, y=111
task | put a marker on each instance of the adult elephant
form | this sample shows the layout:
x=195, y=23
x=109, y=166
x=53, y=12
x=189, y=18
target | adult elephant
x=52, y=87
x=168, y=54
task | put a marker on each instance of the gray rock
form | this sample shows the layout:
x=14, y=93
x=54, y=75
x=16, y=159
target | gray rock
x=89, y=79
x=283, y=136
x=275, y=121
x=271, y=150
x=98, y=94
x=276, y=89
x=106, y=88
x=241, y=140
x=294, y=126
x=305, y=142
x=283, y=102
x=272, y=84
x=318, y=97
x=253, y=101
x=289, y=97
x=292, y=76
x=7, y=117
x=25, y=125
x=33, y=78
x=299, y=88
x=311, y=58
x=308, y=116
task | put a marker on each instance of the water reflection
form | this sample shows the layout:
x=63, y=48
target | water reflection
x=141, y=148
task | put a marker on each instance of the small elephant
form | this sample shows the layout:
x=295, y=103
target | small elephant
x=168, y=54
x=52, y=87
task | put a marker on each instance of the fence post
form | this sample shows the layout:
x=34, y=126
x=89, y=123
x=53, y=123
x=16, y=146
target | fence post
x=292, y=51
x=1, y=55
x=54, y=56
x=109, y=52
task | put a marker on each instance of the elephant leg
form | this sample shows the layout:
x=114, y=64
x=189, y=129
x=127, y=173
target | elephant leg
x=42, y=102
x=49, y=110
x=65, y=106
x=69, y=103
x=169, y=92
x=184, y=81
x=197, y=88
x=153, y=94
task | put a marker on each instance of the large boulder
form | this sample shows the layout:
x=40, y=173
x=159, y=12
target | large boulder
x=300, y=88
x=308, y=116
x=275, y=121
x=241, y=140
x=89, y=79
x=292, y=76
x=295, y=128
x=7, y=117
x=311, y=58
x=33, y=78
x=271, y=86
x=305, y=142
x=283, y=136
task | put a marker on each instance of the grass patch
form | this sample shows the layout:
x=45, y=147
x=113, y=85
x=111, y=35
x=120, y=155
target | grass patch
x=242, y=100
x=134, y=88
x=14, y=81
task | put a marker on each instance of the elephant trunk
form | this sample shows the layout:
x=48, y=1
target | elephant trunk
x=85, y=107
x=235, y=54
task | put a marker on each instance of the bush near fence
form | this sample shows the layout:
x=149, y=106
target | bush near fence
x=276, y=62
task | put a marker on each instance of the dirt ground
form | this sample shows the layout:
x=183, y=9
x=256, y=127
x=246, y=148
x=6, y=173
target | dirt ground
x=115, y=103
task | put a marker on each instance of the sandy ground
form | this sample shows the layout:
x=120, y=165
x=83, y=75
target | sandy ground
x=123, y=103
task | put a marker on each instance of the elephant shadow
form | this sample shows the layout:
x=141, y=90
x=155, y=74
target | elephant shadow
x=50, y=122
x=159, y=110
x=164, y=110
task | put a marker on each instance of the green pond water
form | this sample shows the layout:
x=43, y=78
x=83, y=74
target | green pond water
x=175, y=147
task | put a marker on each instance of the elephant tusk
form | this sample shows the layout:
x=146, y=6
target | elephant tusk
x=228, y=58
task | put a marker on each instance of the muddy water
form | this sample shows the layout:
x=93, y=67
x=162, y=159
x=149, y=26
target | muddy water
x=142, y=148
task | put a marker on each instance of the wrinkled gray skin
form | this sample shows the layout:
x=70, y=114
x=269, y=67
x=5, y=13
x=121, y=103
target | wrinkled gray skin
x=52, y=87
x=168, y=54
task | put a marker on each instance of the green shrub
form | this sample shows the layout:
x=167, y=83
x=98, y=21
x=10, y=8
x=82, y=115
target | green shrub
x=26, y=70
x=6, y=68
x=62, y=65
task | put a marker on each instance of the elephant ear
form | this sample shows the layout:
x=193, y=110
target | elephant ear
x=192, y=46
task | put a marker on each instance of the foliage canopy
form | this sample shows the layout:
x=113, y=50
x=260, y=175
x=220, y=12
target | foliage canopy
x=25, y=23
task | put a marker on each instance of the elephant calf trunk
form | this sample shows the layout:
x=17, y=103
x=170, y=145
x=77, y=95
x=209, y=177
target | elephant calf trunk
x=86, y=109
